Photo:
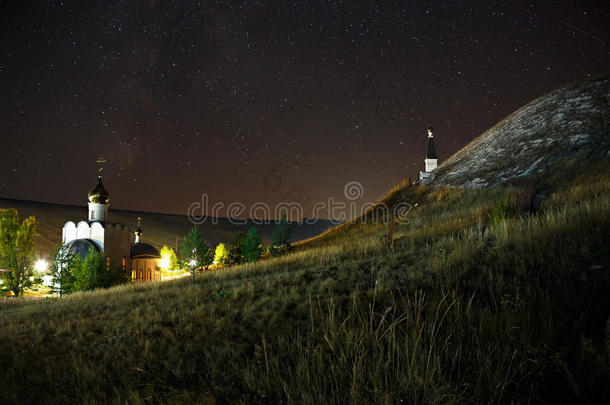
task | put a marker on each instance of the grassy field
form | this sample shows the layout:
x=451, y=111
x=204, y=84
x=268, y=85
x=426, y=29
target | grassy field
x=476, y=299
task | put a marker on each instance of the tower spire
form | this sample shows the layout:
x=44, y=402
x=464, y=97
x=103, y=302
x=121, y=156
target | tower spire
x=98, y=196
x=430, y=160
x=138, y=231
x=100, y=166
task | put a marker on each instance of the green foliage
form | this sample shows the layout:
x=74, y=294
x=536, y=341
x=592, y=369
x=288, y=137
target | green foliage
x=505, y=208
x=280, y=238
x=235, y=255
x=252, y=245
x=195, y=253
x=93, y=272
x=168, y=254
x=63, y=270
x=16, y=251
x=221, y=254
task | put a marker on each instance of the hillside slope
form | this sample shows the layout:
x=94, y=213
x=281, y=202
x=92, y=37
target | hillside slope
x=473, y=297
x=570, y=121
x=159, y=229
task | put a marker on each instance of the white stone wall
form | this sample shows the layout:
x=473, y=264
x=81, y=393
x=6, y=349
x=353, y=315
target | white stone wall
x=98, y=233
x=68, y=232
x=98, y=212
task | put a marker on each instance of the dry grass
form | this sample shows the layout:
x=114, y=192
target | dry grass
x=462, y=310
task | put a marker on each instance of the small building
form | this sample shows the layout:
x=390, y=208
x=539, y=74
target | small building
x=145, y=259
x=430, y=161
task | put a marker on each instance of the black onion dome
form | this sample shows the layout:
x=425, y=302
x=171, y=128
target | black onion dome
x=99, y=194
x=81, y=247
x=144, y=250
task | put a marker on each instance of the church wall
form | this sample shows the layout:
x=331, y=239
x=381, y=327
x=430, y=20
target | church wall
x=146, y=269
x=97, y=232
x=430, y=164
x=83, y=231
x=68, y=233
x=117, y=242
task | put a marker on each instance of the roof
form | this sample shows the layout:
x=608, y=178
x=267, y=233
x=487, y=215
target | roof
x=99, y=194
x=144, y=250
x=431, y=154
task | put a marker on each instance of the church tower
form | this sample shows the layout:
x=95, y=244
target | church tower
x=430, y=161
x=99, y=198
x=431, y=158
x=138, y=231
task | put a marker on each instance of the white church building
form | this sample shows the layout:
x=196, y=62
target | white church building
x=430, y=161
x=115, y=240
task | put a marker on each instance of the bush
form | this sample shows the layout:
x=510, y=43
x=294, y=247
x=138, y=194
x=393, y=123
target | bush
x=505, y=208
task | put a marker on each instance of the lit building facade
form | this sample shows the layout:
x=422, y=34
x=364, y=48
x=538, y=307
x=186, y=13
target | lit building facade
x=115, y=240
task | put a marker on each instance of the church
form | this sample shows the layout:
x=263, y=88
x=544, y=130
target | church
x=431, y=160
x=115, y=240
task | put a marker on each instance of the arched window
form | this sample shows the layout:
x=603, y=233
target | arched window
x=124, y=263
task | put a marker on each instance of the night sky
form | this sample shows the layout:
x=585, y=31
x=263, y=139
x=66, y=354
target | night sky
x=267, y=101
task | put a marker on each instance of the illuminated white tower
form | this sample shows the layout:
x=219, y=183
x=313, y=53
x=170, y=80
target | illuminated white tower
x=431, y=159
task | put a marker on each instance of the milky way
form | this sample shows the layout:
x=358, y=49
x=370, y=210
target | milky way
x=267, y=101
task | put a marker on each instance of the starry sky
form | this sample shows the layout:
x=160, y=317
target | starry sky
x=270, y=101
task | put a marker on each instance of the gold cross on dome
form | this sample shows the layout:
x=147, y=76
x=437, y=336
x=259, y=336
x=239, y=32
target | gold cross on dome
x=100, y=165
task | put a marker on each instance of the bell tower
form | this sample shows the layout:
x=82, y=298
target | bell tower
x=99, y=198
x=431, y=160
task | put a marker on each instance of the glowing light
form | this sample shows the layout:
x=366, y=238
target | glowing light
x=192, y=263
x=41, y=265
x=165, y=262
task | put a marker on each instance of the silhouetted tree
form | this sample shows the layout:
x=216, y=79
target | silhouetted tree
x=280, y=238
x=235, y=255
x=252, y=245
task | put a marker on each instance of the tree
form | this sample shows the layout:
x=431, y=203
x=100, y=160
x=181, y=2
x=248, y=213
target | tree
x=169, y=261
x=16, y=251
x=221, y=254
x=235, y=250
x=62, y=270
x=252, y=245
x=195, y=253
x=280, y=238
x=95, y=272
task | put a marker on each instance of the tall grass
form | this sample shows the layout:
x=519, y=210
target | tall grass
x=465, y=308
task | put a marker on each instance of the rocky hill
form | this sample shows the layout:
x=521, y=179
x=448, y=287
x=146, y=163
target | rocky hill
x=571, y=121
